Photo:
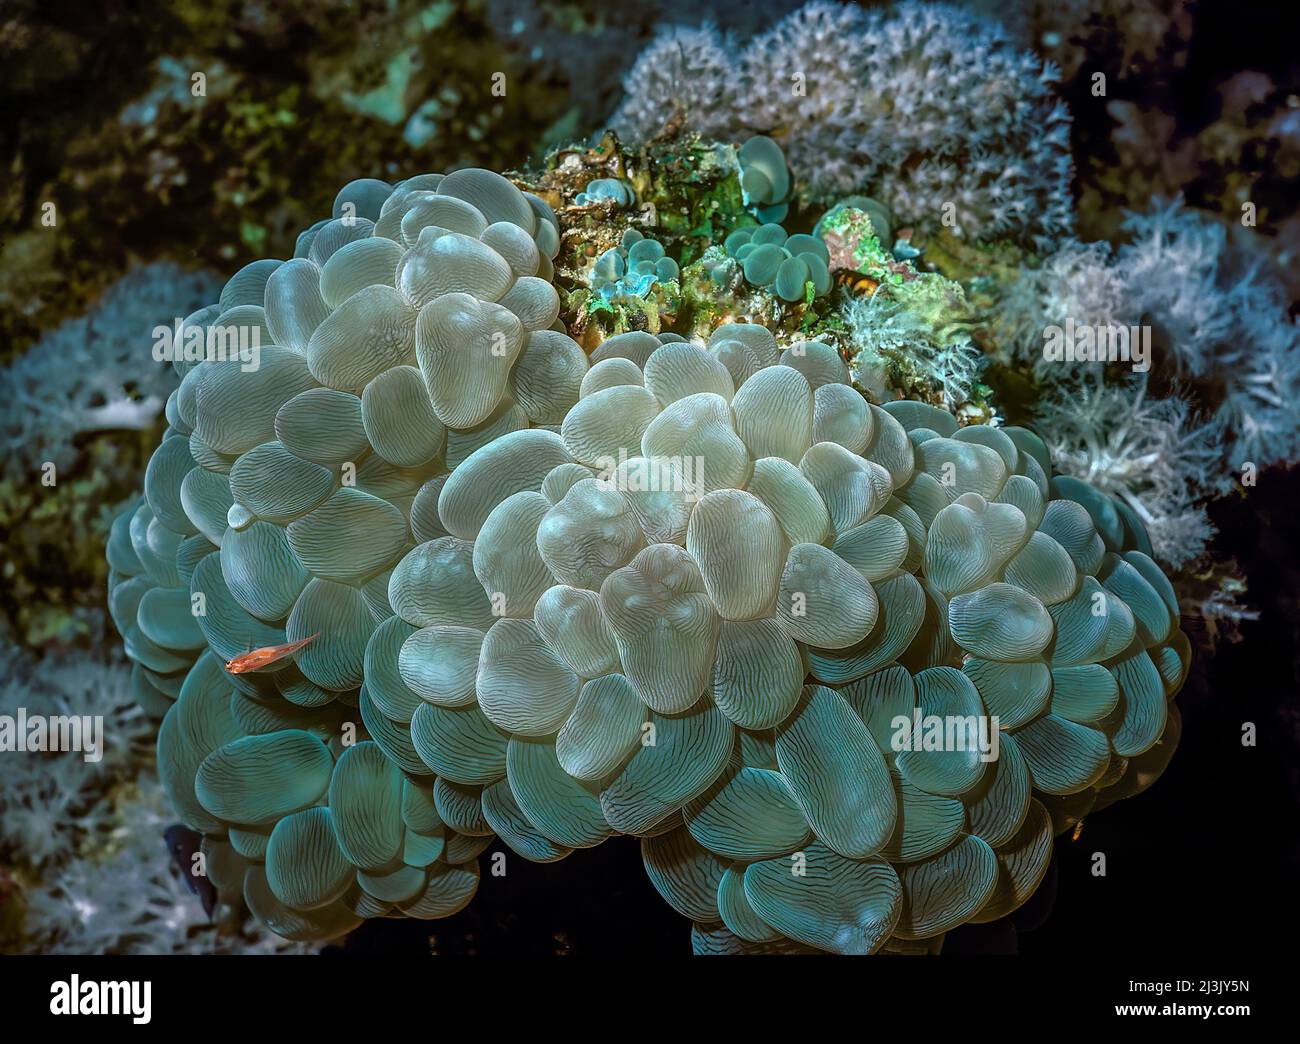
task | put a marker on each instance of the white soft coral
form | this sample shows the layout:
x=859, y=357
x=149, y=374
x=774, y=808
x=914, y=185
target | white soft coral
x=128, y=897
x=96, y=372
x=50, y=802
x=894, y=101
x=1148, y=452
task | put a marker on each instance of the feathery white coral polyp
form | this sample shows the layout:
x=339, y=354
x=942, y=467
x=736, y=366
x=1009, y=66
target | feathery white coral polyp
x=894, y=101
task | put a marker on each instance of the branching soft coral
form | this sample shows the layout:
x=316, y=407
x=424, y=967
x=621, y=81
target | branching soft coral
x=1079, y=281
x=892, y=344
x=130, y=902
x=1148, y=452
x=1222, y=343
x=51, y=803
x=1224, y=324
x=683, y=71
x=89, y=834
x=1261, y=408
x=804, y=77
x=1173, y=267
x=130, y=899
x=97, y=372
x=967, y=118
x=922, y=105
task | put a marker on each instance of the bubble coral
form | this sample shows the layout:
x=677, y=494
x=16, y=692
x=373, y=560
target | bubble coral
x=619, y=193
x=777, y=262
x=632, y=268
x=673, y=590
x=764, y=179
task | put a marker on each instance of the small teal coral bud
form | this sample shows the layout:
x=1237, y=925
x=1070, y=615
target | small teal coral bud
x=805, y=244
x=602, y=190
x=645, y=250
x=609, y=266
x=736, y=240
x=764, y=178
x=762, y=263
x=632, y=269
x=790, y=279
x=765, y=254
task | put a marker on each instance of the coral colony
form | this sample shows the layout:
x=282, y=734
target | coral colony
x=699, y=591
x=772, y=478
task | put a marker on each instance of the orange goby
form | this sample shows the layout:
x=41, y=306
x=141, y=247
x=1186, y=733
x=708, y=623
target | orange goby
x=268, y=654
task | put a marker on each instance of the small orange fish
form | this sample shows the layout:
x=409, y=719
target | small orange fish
x=1078, y=831
x=268, y=654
